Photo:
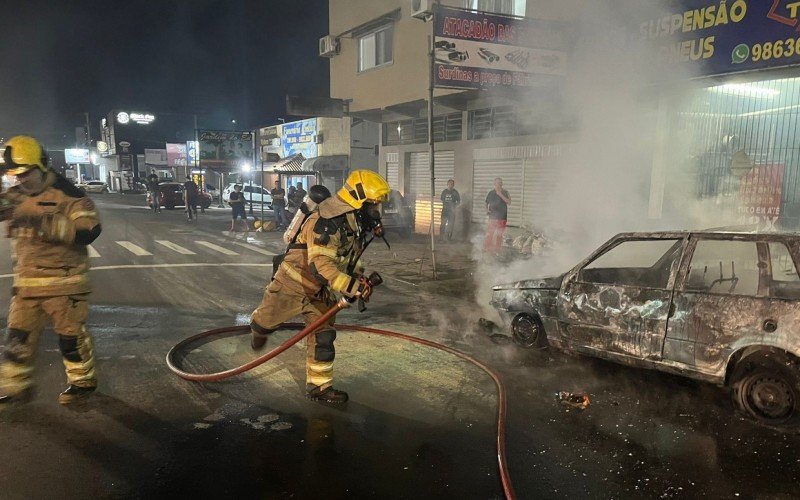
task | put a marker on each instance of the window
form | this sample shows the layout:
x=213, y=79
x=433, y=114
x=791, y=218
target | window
x=510, y=7
x=445, y=128
x=729, y=267
x=785, y=282
x=375, y=48
x=642, y=263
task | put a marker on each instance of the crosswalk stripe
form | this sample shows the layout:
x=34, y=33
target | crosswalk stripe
x=93, y=254
x=172, y=246
x=254, y=248
x=216, y=248
x=134, y=249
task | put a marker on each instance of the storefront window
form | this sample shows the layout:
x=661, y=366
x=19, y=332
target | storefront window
x=739, y=144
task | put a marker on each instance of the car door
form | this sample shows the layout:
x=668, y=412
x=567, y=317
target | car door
x=619, y=300
x=720, y=300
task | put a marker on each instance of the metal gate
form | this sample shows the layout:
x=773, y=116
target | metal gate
x=420, y=185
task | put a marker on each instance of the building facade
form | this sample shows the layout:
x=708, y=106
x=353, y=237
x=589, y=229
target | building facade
x=731, y=127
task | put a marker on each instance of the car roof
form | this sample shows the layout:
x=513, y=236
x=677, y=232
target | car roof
x=740, y=233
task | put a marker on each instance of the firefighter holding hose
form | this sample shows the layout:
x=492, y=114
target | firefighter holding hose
x=51, y=223
x=322, y=258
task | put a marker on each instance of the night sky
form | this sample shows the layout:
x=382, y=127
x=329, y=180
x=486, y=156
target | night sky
x=224, y=59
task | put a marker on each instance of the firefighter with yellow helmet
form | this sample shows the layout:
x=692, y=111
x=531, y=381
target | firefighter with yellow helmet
x=322, y=258
x=51, y=222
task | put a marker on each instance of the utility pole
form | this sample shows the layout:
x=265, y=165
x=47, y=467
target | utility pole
x=431, y=146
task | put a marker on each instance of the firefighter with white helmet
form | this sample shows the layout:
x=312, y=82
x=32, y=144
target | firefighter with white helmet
x=51, y=223
x=322, y=258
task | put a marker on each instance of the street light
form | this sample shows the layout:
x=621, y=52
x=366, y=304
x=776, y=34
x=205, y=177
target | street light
x=246, y=168
x=233, y=121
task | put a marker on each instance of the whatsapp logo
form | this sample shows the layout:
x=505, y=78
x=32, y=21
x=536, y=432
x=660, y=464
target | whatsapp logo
x=740, y=53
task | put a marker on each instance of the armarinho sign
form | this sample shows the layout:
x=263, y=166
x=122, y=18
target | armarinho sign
x=719, y=37
x=475, y=50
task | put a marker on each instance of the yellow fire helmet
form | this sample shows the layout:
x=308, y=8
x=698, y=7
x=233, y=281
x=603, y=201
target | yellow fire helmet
x=23, y=153
x=364, y=186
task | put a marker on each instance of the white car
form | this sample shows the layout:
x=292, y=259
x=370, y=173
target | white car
x=252, y=193
x=93, y=186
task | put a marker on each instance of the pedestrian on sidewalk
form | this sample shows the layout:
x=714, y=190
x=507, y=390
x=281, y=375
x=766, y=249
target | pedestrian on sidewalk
x=236, y=201
x=450, y=201
x=497, y=202
x=190, y=197
x=153, y=189
x=279, y=206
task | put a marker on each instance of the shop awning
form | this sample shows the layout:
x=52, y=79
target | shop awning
x=291, y=165
x=327, y=163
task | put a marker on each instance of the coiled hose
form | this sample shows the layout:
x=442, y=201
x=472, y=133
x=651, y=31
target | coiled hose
x=505, y=479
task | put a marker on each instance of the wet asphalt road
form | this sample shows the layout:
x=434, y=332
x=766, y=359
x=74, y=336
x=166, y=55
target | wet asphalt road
x=420, y=423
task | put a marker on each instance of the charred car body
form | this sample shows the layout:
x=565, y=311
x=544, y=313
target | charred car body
x=719, y=307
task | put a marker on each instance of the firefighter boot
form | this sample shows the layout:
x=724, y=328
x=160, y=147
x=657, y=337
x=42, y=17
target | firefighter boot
x=74, y=393
x=258, y=335
x=329, y=395
x=25, y=396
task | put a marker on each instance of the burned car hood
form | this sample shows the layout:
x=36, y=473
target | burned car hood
x=553, y=283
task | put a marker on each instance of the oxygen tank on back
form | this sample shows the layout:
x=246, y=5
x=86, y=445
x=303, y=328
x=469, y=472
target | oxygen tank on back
x=316, y=194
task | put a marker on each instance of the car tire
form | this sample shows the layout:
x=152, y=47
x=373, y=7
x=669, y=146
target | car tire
x=104, y=191
x=205, y=205
x=768, y=392
x=528, y=331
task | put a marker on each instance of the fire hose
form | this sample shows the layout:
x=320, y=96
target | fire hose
x=343, y=303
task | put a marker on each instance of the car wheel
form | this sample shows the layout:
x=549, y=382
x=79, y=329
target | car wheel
x=205, y=205
x=527, y=331
x=769, y=393
x=104, y=191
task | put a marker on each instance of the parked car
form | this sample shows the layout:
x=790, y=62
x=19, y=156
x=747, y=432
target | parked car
x=397, y=215
x=721, y=307
x=171, y=196
x=256, y=192
x=93, y=186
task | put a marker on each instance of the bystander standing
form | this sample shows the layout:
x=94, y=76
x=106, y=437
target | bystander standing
x=450, y=201
x=497, y=202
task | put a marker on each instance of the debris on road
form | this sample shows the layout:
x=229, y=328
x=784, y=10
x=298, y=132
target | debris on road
x=486, y=325
x=579, y=401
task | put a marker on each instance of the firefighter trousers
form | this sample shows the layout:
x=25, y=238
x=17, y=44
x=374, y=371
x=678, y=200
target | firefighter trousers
x=26, y=320
x=283, y=302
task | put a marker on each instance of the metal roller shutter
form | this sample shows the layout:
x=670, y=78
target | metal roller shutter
x=393, y=171
x=484, y=173
x=541, y=175
x=420, y=185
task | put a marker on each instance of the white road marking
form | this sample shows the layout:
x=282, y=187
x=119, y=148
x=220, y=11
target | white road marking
x=162, y=266
x=92, y=252
x=254, y=248
x=134, y=249
x=216, y=248
x=177, y=248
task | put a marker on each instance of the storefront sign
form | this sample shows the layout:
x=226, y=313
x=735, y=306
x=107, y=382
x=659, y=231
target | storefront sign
x=176, y=155
x=718, y=37
x=191, y=152
x=224, y=149
x=760, y=196
x=474, y=50
x=299, y=137
x=124, y=118
x=76, y=155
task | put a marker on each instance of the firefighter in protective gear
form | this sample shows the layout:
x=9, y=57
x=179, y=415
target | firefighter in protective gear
x=51, y=224
x=323, y=260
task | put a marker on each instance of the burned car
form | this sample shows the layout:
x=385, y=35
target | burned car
x=715, y=306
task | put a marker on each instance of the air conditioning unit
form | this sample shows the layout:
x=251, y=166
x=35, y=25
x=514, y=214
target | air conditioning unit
x=422, y=9
x=328, y=46
x=318, y=139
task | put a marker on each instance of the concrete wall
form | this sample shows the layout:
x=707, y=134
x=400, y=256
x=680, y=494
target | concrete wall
x=336, y=136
